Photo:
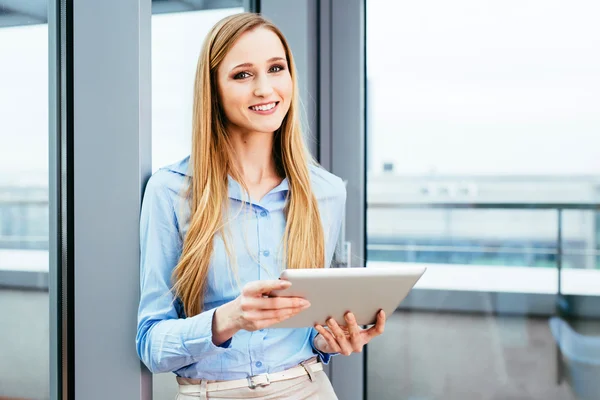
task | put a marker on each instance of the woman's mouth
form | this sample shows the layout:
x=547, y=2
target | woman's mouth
x=265, y=109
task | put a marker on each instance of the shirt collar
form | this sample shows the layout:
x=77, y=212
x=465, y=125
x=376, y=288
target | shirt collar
x=235, y=189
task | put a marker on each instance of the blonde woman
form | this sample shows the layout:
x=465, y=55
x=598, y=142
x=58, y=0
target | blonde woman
x=218, y=227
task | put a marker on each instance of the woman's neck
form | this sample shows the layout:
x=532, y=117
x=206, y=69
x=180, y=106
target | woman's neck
x=254, y=156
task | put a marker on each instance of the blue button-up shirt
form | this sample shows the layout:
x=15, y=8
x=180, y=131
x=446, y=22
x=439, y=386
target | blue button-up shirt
x=167, y=340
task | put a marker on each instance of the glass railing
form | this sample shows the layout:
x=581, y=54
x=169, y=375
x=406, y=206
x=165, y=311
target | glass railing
x=506, y=247
x=24, y=218
x=24, y=233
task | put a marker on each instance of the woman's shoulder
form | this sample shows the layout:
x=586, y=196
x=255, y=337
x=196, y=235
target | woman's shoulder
x=169, y=178
x=325, y=184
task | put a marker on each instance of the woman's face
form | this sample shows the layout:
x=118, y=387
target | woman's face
x=254, y=83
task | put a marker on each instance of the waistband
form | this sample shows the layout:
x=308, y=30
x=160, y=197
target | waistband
x=199, y=386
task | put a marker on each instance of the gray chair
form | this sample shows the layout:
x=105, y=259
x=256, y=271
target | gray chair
x=581, y=356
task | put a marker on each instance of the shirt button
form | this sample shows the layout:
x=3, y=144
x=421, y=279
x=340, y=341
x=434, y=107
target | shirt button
x=266, y=253
x=263, y=213
x=258, y=364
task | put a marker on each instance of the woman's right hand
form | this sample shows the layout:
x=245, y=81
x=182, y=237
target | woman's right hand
x=254, y=309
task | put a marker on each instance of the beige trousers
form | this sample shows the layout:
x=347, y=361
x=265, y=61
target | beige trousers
x=301, y=388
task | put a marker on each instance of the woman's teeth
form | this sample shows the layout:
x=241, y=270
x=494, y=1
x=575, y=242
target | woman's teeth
x=265, y=107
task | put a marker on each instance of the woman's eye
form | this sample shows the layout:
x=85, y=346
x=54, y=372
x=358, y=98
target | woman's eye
x=241, y=75
x=277, y=68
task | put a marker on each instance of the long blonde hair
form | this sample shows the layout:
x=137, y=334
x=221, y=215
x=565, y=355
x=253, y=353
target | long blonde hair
x=212, y=160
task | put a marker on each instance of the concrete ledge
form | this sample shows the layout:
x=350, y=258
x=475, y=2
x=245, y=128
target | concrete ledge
x=24, y=269
x=24, y=280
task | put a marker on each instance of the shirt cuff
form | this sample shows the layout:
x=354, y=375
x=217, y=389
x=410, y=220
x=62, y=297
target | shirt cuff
x=202, y=343
x=325, y=357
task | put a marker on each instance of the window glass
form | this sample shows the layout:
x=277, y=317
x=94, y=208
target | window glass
x=486, y=113
x=483, y=164
x=177, y=38
x=24, y=220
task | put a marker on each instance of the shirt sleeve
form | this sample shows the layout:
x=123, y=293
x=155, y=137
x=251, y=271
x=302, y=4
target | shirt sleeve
x=164, y=341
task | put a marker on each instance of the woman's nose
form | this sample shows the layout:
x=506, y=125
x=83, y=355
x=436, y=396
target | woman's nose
x=263, y=87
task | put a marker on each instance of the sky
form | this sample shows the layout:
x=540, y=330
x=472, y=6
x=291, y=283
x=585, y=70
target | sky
x=467, y=87
x=484, y=87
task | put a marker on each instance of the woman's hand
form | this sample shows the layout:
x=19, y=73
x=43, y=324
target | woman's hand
x=349, y=338
x=254, y=310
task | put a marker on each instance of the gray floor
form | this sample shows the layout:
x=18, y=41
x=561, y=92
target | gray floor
x=24, y=344
x=455, y=356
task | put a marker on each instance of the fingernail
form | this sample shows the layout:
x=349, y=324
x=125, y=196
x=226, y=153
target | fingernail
x=304, y=303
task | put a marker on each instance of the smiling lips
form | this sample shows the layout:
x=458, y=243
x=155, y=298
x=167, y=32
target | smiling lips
x=267, y=108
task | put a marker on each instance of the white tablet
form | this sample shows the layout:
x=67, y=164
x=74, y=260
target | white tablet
x=334, y=291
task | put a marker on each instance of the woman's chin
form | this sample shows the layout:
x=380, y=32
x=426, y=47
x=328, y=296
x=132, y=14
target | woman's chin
x=265, y=128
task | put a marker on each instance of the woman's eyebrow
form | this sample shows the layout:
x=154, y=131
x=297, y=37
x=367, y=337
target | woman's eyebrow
x=270, y=60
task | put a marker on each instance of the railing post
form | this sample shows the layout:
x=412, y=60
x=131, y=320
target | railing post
x=561, y=306
x=559, y=251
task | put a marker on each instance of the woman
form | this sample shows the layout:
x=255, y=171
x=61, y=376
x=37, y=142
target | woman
x=218, y=227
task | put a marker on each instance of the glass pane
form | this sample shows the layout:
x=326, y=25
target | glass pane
x=24, y=220
x=580, y=266
x=177, y=37
x=490, y=88
x=482, y=148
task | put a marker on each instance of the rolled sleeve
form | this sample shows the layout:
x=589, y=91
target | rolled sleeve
x=325, y=357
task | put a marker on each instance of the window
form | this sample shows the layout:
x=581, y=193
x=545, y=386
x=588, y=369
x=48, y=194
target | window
x=481, y=138
x=24, y=220
x=177, y=38
x=483, y=165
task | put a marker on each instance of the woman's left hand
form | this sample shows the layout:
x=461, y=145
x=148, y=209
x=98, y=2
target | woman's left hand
x=349, y=338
